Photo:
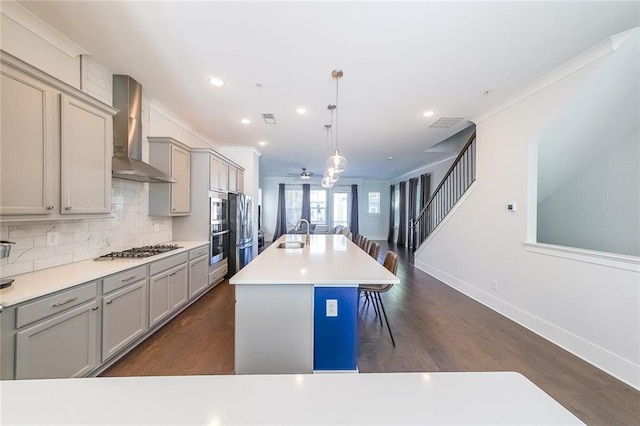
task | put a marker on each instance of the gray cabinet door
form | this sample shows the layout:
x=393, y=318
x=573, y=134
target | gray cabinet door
x=158, y=298
x=179, y=284
x=86, y=151
x=28, y=131
x=198, y=278
x=181, y=189
x=167, y=292
x=124, y=317
x=63, y=346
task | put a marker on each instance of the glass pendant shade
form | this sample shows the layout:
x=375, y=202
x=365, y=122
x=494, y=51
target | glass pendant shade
x=326, y=182
x=331, y=174
x=336, y=162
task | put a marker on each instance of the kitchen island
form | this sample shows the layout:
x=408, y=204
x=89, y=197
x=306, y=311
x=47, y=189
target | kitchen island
x=496, y=398
x=296, y=308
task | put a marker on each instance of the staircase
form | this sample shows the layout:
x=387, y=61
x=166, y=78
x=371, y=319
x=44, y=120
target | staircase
x=455, y=183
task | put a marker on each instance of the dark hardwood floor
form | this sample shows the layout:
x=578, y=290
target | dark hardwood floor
x=436, y=328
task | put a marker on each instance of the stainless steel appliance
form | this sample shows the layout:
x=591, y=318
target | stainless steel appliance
x=241, y=235
x=139, y=252
x=219, y=224
x=5, y=250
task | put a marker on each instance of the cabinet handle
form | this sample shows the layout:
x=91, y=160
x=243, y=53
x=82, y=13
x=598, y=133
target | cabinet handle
x=49, y=207
x=173, y=274
x=124, y=280
x=68, y=208
x=95, y=309
x=109, y=302
x=55, y=305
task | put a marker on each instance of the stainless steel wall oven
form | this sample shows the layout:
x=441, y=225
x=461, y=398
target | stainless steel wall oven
x=219, y=227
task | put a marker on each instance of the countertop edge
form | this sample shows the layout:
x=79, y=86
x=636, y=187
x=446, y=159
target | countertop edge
x=76, y=275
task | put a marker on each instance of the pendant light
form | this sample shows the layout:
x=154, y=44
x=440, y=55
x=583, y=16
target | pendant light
x=328, y=178
x=336, y=162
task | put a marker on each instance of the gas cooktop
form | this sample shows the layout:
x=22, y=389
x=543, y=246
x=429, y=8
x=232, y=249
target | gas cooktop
x=139, y=252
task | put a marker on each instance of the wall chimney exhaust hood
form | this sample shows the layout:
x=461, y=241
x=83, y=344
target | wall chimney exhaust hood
x=127, y=134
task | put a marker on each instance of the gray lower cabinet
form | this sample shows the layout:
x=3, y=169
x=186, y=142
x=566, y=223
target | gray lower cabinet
x=198, y=275
x=64, y=345
x=167, y=292
x=124, y=317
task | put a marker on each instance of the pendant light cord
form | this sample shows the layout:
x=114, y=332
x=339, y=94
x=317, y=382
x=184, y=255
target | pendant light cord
x=337, y=80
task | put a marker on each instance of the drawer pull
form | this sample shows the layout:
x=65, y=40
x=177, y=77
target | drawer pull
x=173, y=274
x=109, y=302
x=49, y=207
x=95, y=309
x=124, y=280
x=68, y=208
x=55, y=305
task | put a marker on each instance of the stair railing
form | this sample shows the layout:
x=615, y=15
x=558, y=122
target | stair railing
x=454, y=184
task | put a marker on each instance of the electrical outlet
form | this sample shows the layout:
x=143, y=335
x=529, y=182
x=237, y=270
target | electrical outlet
x=52, y=239
x=332, y=307
x=494, y=285
x=156, y=227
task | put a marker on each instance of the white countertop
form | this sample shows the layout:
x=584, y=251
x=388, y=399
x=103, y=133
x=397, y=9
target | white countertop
x=45, y=281
x=389, y=398
x=328, y=260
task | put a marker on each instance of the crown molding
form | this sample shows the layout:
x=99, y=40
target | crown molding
x=37, y=26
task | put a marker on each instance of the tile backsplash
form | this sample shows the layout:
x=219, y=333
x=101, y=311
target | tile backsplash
x=86, y=239
x=89, y=238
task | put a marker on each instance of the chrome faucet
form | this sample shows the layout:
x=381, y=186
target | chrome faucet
x=295, y=228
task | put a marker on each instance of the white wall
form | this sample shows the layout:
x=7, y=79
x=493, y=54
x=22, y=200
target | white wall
x=374, y=226
x=588, y=304
x=589, y=161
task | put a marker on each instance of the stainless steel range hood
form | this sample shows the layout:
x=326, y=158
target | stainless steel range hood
x=127, y=134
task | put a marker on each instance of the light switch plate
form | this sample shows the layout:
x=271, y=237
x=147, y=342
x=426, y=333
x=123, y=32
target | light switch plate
x=332, y=307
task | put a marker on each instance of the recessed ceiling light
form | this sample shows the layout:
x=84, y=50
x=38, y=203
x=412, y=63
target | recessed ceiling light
x=428, y=113
x=301, y=110
x=245, y=121
x=262, y=143
x=216, y=81
x=390, y=158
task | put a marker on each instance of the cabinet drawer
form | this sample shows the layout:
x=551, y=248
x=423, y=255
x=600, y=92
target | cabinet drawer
x=50, y=305
x=168, y=263
x=218, y=274
x=200, y=251
x=127, y=277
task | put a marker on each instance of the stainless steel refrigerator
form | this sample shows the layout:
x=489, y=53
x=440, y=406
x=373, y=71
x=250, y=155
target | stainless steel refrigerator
x=241, y=232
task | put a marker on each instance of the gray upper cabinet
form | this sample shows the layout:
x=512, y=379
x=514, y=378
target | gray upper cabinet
x=28, y=132
x=86, y=150
x=55, y=148
x=173, y=158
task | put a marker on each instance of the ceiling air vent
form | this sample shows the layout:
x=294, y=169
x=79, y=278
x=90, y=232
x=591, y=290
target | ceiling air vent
x=268, y=118
x=446, y=122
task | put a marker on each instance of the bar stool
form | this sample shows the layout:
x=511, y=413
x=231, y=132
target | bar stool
x=375, y=290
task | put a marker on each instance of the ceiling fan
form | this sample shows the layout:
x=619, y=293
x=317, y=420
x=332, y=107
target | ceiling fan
x=305, y=175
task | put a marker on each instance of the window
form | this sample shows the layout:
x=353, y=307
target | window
x=293, y=201
x=319, y=207
x=374, y=203
x=340, y=209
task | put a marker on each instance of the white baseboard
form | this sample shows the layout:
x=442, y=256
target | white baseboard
x=606, y=361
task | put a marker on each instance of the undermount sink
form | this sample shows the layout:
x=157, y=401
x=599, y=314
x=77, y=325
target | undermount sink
x=291, y=245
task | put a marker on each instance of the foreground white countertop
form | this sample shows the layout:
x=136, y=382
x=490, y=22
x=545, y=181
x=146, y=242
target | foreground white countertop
x=45, y=281
x=327, y=260
x=390, y=398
